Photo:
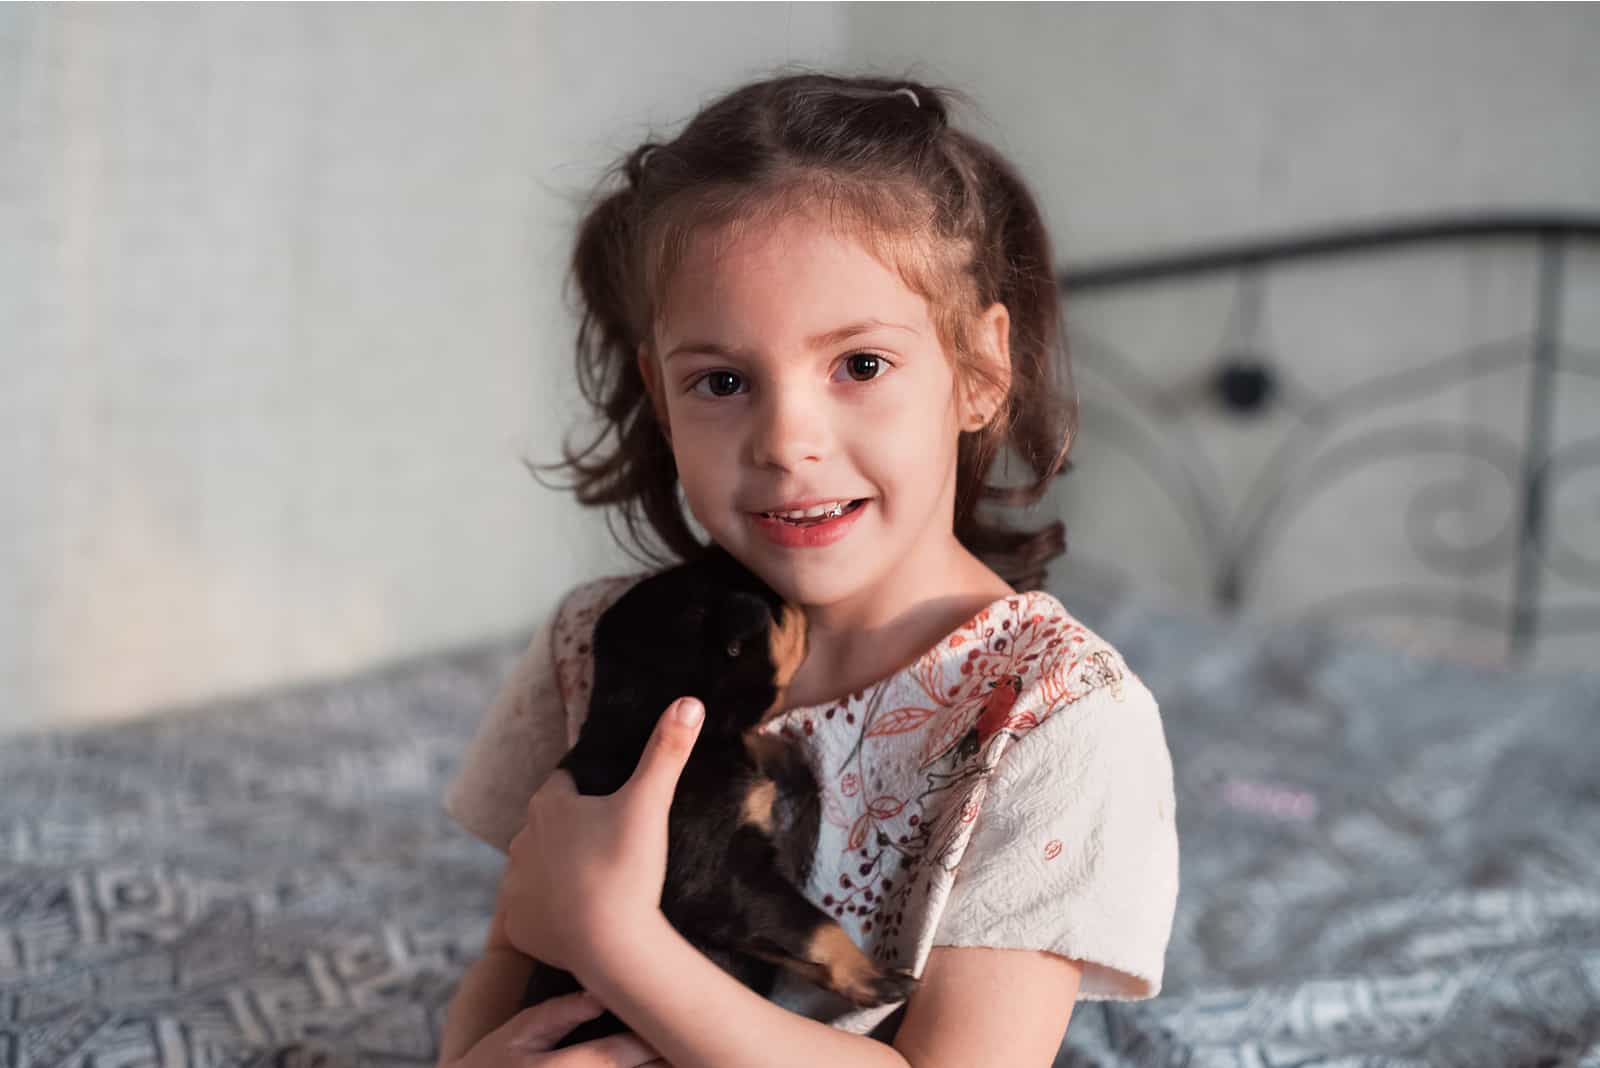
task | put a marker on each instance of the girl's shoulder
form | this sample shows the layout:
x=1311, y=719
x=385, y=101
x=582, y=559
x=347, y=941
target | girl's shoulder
x=533, y=719
x=1030, y=643
x=1053, y=689
x=572, y=631
x=1016, y=661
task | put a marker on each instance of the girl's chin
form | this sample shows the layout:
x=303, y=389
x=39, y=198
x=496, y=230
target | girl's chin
x=803, y=583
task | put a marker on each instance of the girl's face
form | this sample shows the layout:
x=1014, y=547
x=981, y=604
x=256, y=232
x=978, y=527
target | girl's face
x=798, y=369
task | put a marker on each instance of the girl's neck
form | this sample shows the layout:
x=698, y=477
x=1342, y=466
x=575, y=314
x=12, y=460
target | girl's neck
x=844, y=656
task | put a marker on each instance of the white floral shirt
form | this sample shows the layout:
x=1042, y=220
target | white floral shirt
x=1011, y=789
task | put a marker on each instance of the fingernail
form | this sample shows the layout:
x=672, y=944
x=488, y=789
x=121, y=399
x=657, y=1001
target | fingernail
x=688, y=711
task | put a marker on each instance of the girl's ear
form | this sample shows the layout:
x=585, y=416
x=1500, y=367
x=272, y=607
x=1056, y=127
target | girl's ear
x=983, y=402
x=652, y=384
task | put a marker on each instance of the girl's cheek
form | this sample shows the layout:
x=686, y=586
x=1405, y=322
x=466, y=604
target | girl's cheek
x=704, y=418
x=702, y=441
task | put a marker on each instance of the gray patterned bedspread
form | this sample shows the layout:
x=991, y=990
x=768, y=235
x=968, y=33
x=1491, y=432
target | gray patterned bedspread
x=1385, y=861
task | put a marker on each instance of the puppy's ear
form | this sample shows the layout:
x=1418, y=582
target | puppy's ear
x=744, y=617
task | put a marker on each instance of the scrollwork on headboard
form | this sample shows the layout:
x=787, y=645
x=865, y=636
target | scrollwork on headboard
x=1326, y=440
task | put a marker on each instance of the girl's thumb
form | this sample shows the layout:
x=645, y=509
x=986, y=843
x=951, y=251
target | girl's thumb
x=666, y=754
x=540, y=1027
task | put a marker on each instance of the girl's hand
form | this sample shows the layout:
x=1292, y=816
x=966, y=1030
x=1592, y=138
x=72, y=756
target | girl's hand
x=585, y=871
x=526, y=1040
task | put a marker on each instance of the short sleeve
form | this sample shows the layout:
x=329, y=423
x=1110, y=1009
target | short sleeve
x=534, y=720
x=519, y=742
x=1075, y=850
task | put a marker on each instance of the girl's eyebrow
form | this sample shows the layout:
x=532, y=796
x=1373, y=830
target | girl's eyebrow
x=823, y=340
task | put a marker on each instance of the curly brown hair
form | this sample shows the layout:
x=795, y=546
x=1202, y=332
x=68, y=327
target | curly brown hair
x=941, y=207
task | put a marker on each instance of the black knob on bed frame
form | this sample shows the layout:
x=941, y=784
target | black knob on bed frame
x=1244, y=385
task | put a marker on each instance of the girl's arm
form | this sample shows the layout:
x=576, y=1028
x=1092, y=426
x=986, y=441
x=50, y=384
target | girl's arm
x=973, y=1006
x=977, y=1005
x=490, y=992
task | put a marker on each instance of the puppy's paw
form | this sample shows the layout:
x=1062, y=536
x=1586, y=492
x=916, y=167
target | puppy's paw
x=868, y=990
x=854, y=975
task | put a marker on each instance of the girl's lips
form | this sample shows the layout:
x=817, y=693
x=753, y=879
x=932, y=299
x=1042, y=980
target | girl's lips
x=826, y=532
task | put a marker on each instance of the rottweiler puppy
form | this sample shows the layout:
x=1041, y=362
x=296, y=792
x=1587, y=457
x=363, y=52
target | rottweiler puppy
x=743, y=824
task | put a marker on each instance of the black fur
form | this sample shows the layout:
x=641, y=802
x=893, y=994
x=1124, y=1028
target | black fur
x=732, y=889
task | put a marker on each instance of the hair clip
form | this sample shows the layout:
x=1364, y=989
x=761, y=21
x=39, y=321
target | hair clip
x=644, y=157
x=915, y=102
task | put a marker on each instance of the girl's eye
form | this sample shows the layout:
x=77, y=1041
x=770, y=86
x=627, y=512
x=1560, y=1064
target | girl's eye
x=864, y=366
x=723, y=383
x=861, y=367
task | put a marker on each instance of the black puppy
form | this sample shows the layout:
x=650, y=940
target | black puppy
x=743, y=824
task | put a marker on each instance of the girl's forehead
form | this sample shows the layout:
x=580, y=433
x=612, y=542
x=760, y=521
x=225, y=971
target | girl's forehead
x=835, y=253
x=712, y=245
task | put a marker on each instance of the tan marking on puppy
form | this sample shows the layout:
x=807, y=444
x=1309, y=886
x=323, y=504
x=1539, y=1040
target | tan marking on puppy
x=764, y=749
x=758, y=803
x=850, y=971
x=835, y=963
x=786, y=642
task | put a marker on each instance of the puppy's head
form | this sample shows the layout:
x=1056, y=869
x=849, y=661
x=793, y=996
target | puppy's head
x=709, y=628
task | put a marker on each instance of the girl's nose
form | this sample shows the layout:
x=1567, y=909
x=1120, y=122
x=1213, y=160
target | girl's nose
x=790, y=429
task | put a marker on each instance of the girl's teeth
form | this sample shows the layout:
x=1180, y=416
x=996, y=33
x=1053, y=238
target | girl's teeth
x=835, y=508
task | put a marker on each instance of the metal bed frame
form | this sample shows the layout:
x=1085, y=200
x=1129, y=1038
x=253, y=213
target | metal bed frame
x=1246, y=380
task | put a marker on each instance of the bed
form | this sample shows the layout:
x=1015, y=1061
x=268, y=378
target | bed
x=1390, y=854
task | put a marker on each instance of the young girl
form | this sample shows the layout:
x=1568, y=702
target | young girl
x=820, y=312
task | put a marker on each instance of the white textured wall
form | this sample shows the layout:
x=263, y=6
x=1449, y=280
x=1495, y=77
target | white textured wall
x=1148, y=127
x=279, y=290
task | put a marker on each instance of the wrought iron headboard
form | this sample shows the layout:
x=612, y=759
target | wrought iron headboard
x=1249, y=381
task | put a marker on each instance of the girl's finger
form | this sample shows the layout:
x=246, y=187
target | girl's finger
x=540, y=1027
x=663, y=760
x=559, y=783
x=622, y=1050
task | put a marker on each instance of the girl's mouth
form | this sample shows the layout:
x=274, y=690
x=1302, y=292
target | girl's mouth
x=839, y=508
x=810, y=532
